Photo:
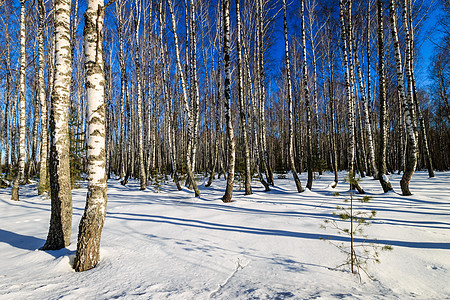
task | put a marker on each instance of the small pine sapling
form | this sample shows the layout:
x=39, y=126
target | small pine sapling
x=157, y=178
x=359, y=251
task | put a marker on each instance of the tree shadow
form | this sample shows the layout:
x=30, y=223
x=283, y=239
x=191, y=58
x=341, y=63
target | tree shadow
x=268, y=231
x=31, y=243
x=20, y=241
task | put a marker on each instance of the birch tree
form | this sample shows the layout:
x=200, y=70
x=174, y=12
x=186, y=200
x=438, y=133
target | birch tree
x=91, y=224
x=411, y=156
x=307, y=100
x=384, y=181
x=61, y=196
x=43, y=102
x=185, y=100
x=242, y=114
x=227, y=101
x=21, y=175
x=350, y=100
x=261, y=87
x=410, y=114
x=140, y=132
x=123, y=85
x=298, y=184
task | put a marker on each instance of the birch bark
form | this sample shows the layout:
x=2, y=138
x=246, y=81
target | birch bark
x=298, y=184
x=43, y=102
x=123, y=84
x=242, y=115
x=91, y=224
x=227, y=101
x=21, y=174
x=350, y=100
x=384, y=181
x=60, y=184
x=140, y=129
x=307, y=101
x=411, y=155
x=185, y=100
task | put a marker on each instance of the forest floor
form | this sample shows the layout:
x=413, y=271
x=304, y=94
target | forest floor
x=171, y=245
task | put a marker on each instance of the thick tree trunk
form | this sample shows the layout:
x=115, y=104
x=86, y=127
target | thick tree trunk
x=91, y=224
x=60, y=184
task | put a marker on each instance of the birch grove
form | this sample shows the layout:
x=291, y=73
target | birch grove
x=190, y=91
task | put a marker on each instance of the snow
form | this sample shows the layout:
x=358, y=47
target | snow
x=171, y=245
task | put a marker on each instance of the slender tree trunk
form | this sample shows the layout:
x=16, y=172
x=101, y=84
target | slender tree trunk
x=307, y=101
x=262, y=93
x=43, y=102
x=218, y=112
x=91, y=224
x=185, y=100
x=333, y=130
x=227, y=88
x=298, y=184
x=350, y=100
x=123, y=84
x=411, y=156
x=423, y=131
x=384, y=181
x=140, y=129
x=60, y=184
x=364, y=101
x=21, y=174
x=370, y=139
x=312, y=17
x=194, y=81
x=242, y=115
x=167, y=98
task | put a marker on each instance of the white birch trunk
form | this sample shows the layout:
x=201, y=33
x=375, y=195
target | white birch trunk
x=307, y=101
x=242, y=114
x=411, y=156
x=91, y=224
x=298, y=183
x=140, y=129
x=43, y=184
x=385, y=184
x=61, y=195
x=227, y=101
x=185, y=101
x=21, y=174
x=350, y=114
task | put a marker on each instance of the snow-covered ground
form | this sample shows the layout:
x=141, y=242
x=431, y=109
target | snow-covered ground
x=170, y=245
